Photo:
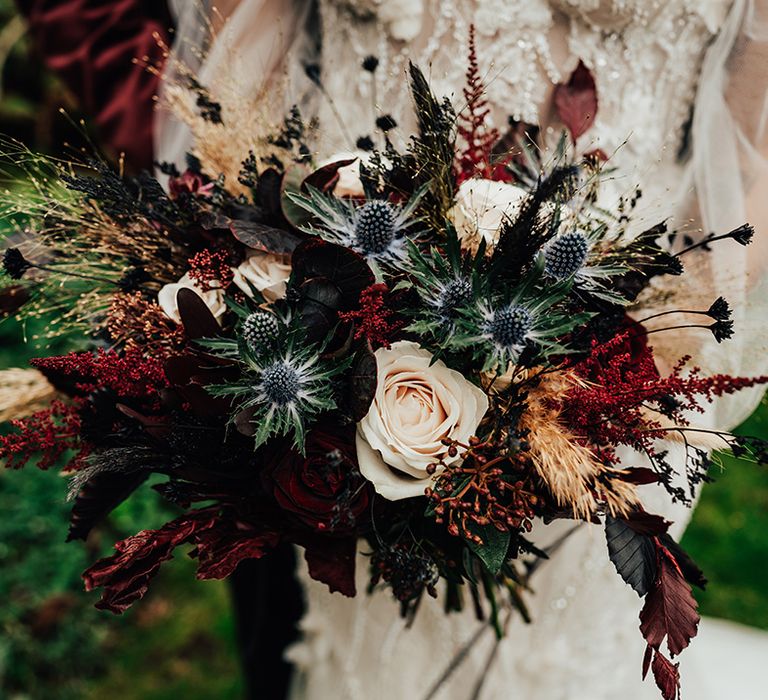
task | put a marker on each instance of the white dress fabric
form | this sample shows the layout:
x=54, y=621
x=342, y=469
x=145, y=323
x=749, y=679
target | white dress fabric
x=653, y=61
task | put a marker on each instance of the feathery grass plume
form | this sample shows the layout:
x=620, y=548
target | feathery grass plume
x=56, y=209
x=23, y=392
x=229, y=123
x=570, y=470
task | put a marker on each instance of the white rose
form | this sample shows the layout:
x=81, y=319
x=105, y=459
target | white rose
x=213, y=298
x=481, y=207
x=417, y=404
x=267, y=272
x=402, y=17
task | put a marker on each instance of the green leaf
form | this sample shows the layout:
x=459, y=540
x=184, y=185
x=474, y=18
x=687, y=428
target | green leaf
x=493, y=551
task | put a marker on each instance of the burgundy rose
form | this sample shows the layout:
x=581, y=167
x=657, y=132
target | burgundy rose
x=323, y=488
x=189, y=183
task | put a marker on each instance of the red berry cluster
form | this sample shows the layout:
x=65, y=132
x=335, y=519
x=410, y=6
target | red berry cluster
x=209, y=266
x=482, y=489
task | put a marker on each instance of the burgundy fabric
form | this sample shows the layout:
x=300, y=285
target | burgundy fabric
x=91, y=45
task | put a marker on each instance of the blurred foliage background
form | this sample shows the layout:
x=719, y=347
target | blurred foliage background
x=180, y=640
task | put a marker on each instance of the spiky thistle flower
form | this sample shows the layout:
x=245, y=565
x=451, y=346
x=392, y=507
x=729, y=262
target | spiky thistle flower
x=528, y=318
x=377, y=228
x=283, y=385
x=577, y=255
x=447, y=280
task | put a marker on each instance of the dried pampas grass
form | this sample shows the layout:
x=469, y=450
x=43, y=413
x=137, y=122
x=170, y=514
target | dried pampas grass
x=573, y=475
x=23, y=392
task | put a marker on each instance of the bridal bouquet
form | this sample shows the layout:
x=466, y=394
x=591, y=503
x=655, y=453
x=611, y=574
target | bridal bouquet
x=426, y=348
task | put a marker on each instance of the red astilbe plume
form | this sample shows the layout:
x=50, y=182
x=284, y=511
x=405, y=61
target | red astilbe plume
x=211, y=269
x=373, y=319
x=50, y=433
x=611, y=407
x=130, y=374
x=476, y=157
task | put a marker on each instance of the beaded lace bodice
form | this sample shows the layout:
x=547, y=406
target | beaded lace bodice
x=645, y=56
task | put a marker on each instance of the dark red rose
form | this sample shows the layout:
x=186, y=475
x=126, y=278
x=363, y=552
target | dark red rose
x=189, y=183
x=324, y=488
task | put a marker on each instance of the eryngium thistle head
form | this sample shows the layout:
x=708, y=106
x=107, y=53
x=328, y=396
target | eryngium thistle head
x=15, y=264
x=566, y=255
x=280, y=383
x=375, y=227
x=260, y=329
x=509, y=326
x=456, y=294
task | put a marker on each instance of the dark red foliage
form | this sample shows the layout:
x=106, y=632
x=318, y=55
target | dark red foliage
x=373, y=319
x=129, y=374
x=670, y=610
x=49, y=434
x=324, y=488
x=207, y=267
x=667, y=676
x=125, y=576
x=220, y=544
x=476, y=157
x=220, y=549
x=332, y=562
x=576, y=101
x=623, y=380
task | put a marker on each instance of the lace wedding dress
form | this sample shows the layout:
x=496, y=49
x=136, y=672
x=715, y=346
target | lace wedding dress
x=681, y=87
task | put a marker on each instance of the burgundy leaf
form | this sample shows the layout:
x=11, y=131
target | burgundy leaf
x=576, y=101
x=667, y=676
x=332, y=562
x=265, y=238
x=639, y=476
x=670, y=610
x=196, y=317
x=693, y=574
x=325, y=178
x=219, y=550
x=647, y=659
x=125, y=576
x=646, y=523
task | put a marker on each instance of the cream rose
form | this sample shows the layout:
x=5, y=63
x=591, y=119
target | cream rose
x=267, y=272
x=417, y=404
x=213, y=298
x=481, y=207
